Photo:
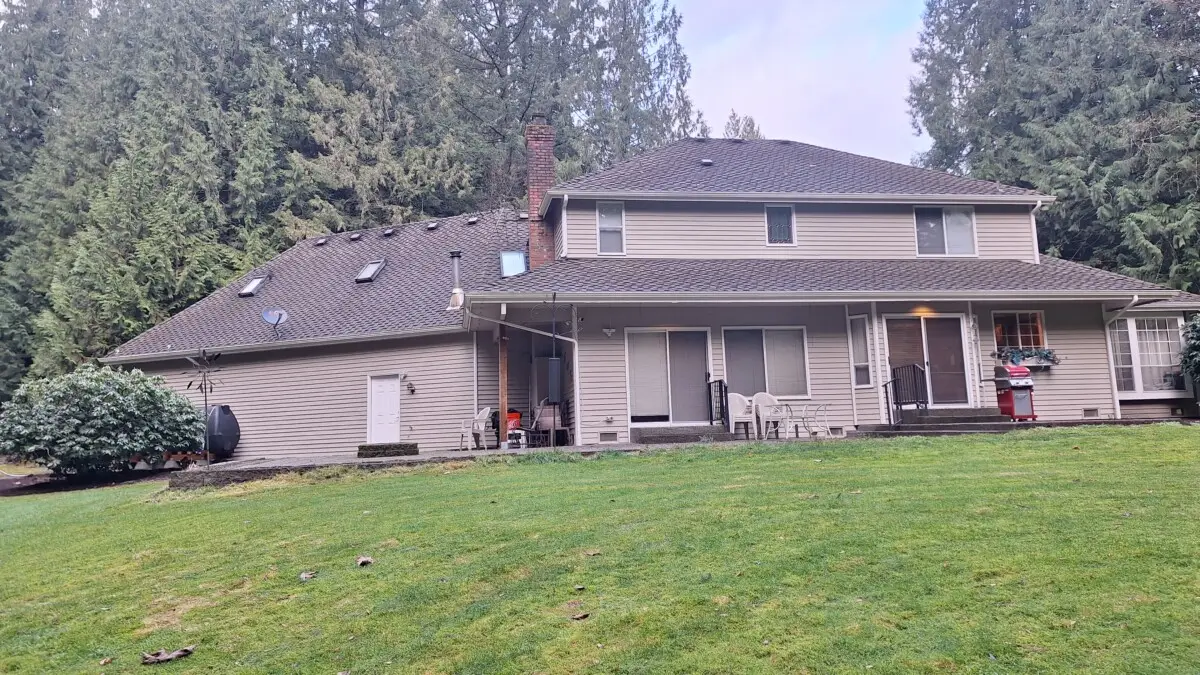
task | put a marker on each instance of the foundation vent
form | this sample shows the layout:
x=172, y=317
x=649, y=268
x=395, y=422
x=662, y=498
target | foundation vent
x=1091, y=413
x=608, y=437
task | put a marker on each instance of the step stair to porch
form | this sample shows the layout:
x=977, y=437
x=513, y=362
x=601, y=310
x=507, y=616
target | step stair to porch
x=943, y=422
x=701, y=433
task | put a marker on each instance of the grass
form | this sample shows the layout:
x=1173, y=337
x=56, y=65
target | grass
x=19, y=469
x=1043, y=551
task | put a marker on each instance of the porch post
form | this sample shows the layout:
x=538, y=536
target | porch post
x=502, y=419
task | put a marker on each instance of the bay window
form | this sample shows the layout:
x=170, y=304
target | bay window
x=1146, y=357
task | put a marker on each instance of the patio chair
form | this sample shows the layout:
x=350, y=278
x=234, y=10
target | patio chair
x=814, y=417
x=477, y=429
x=741, y=411
x=771, y=412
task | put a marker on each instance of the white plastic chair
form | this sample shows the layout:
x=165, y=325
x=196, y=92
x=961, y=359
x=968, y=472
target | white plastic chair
x=476, y=428
x=814, y=417
x=741, y=411
x=771, y=412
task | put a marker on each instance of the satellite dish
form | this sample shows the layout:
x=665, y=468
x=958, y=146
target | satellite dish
x=274, y=317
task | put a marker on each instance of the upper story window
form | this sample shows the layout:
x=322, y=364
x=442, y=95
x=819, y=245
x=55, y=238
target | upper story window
x=1018, y=330
x=1146, y=357
x=945, y=231
x=610, y=224
x=781, y=226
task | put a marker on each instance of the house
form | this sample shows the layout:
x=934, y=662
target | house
x=634, y=293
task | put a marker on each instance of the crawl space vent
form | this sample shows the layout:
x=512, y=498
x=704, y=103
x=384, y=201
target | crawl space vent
x=1091, y=413
x=608, y=437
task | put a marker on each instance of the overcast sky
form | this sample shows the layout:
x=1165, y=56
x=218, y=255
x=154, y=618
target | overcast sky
x=829, y=72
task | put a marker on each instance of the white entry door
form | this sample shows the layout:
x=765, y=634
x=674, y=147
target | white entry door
x=383, y=410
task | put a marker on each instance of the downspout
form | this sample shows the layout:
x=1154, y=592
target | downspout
x=1037, y=254
x=562, y=225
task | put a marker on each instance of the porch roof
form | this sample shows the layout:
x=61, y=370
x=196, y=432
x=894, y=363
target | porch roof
x=637, y=279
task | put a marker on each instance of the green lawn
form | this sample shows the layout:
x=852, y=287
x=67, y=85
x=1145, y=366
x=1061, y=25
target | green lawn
x=1041, y=551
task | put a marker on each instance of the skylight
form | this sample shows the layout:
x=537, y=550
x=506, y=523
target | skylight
x=369, y=272
x=512, y=263
x=252, y=287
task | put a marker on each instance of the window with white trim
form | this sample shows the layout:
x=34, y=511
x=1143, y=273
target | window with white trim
x=946, y=230
x=774, y=360
x=781, y=225
x=860, y=354
x=1146, y=356
x=1018, y=330
x=610, y=224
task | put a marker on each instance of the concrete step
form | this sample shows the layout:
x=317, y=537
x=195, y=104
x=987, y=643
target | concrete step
x=961, y=419
x=949, y=412
x=902, y=433
x=994, y=427
x=700, y=433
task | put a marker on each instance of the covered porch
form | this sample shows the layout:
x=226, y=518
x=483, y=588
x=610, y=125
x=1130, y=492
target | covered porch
x=633, y=370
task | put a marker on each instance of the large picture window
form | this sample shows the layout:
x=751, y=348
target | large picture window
x=774, y=360
x=1146, y=357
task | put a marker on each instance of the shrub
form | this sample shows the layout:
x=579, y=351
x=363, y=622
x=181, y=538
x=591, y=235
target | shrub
x=1191, y=349
x=95, y=420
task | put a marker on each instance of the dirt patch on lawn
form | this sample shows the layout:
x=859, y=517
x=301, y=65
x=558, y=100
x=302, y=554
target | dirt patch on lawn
x=170, y=614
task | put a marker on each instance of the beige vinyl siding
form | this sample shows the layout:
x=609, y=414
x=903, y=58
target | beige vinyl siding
x=738, y=230
x=1075, y=332
x=311, y=402
x=1157, y=410
x=603, y=368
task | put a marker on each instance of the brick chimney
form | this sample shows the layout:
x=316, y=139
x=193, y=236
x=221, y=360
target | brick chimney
x=539, y=150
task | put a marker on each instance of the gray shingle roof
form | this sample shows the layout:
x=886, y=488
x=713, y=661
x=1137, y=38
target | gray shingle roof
x=915, y=276
x=767, y=166
x=315, y=285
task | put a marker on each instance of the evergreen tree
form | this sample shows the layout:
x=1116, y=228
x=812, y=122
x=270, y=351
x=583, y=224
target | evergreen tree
x=744, y=128
x=1093, y=102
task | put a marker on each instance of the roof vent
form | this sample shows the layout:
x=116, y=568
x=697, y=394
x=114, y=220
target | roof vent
x=472, y=220
x=389, y=232
x=356, y=236
x=706, y=162
x=701, y=139
x=738, y=140
x=432, y=226
x=252, y=287
x=524, y=215
x=321, y=242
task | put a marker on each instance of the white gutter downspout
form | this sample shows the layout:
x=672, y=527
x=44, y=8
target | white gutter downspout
x=1112, y=368
x=1037, y=255
x=562, y=224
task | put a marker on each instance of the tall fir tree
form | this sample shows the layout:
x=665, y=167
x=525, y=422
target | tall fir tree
x=1093, y=102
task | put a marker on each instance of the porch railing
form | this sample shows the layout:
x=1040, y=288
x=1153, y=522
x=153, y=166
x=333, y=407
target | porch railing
x=908, y=386
x=718, y=402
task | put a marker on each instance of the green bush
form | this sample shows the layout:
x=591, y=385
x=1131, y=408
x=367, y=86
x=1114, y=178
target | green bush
x=95, y=420
x=1191, y=349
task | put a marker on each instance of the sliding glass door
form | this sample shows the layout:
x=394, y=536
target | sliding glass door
x=668, y=376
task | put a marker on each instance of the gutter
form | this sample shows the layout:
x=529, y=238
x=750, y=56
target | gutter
x=809, y=197
x=817, y=297
x=116, y=358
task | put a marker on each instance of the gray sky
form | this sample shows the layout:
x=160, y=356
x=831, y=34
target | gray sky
x=829, y=72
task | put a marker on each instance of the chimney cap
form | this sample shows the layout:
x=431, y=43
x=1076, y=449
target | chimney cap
x=455, y=254
x=538, y=118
